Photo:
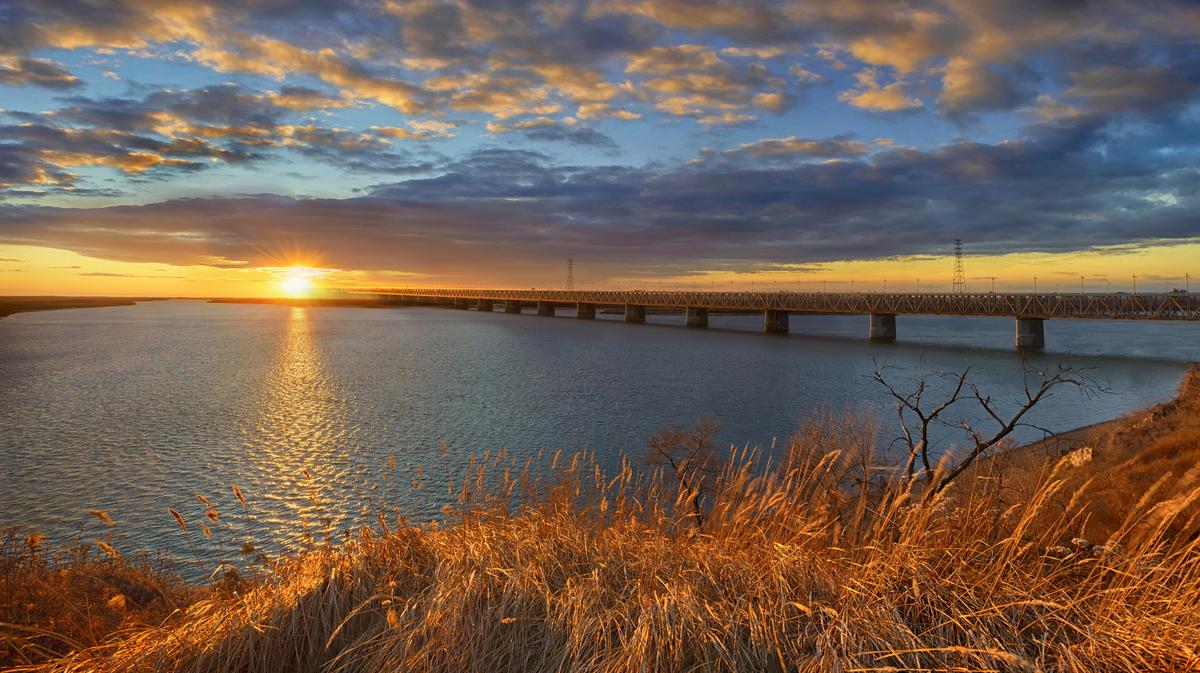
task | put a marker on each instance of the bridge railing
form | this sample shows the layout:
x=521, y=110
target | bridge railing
x=1117, y=306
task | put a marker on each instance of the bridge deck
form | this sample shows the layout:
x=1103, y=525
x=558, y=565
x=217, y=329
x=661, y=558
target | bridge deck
x=1144, y=306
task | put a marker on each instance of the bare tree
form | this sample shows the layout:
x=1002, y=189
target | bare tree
x=918, y=415
x=691, y=455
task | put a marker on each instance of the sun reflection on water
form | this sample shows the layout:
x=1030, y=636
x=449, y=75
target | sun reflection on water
x=299, y=447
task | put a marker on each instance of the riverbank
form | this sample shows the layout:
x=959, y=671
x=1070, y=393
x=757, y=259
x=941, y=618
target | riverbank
x=1148, y=452
x=790, y=567
x=11, y=305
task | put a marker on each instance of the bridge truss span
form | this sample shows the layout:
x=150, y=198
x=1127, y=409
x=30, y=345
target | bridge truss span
x=1116, y=306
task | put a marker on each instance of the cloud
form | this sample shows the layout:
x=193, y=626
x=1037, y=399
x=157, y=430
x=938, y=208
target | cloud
x=792, y=147
x=546, y=129
x=352, y=150
x=418, y=130
x=1073, y=184
x=870, y=95
x=691, y=80
x=169, y=131
x=42, y=154
x=304, y=99
x=396, y=96
x=711, y=60
x=106, y=274
x=969, y=87
x=9, y=259
x=1146, y=89
x=16, y=71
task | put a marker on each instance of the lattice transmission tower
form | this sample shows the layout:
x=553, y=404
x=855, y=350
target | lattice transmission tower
x=570, y=273
x=960, y=274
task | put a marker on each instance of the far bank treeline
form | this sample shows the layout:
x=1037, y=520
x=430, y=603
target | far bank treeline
x=11, y=305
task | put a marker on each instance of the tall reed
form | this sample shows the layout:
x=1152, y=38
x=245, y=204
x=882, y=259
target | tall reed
x=820, y=560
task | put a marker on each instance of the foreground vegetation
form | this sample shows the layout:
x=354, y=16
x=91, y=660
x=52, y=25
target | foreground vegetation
x=820, y=561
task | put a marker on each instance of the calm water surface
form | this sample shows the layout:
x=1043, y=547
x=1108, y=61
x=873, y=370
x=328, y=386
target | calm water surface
x=135, y=409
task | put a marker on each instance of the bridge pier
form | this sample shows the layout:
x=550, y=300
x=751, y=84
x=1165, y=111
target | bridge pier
x=695, y=316
x=1031, y=333
x=775, y=322
x=512, y=306
x=883, y=326
x=635, y=313
x=462, y=304
x=485, y=305
x=585, y=311
x=545, y=308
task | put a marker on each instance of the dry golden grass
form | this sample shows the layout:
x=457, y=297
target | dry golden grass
x=53, y=602
x=1155, y=452
x=816, y=563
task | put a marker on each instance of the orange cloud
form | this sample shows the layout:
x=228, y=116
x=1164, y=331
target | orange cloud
x=870, y=95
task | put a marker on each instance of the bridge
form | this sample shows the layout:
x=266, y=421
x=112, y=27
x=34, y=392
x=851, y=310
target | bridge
x=1029, y=310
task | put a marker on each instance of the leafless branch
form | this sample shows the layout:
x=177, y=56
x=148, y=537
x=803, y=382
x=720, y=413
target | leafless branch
x=981, y=441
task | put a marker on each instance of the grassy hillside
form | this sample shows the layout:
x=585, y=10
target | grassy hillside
x=818, y=562
x=1146, y=455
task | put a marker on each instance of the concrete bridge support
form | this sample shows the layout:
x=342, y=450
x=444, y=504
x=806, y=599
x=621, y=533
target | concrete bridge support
x=485, y=305
x=462, y=304
x=545, y=308
x=883, y=326
x=512, y=306
x=1031, y=333
x=585, y=311
x=694, y=316
x=635, y=313
x=775, y=322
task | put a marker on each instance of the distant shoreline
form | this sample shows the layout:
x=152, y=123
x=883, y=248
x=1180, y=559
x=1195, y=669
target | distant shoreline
x=313, y=301
x=12, y=305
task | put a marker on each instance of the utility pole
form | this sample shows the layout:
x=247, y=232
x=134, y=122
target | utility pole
x=960, y=275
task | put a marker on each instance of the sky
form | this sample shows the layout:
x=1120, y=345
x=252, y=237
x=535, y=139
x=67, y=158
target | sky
x=220, y=147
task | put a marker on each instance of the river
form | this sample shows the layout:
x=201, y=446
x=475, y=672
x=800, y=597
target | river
x=134, y=410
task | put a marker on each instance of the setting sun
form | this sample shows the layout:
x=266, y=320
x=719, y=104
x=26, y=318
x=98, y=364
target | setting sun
x=296, y=284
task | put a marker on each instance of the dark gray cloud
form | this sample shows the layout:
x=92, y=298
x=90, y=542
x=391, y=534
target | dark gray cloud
x=36, y=72
x=546, y=129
